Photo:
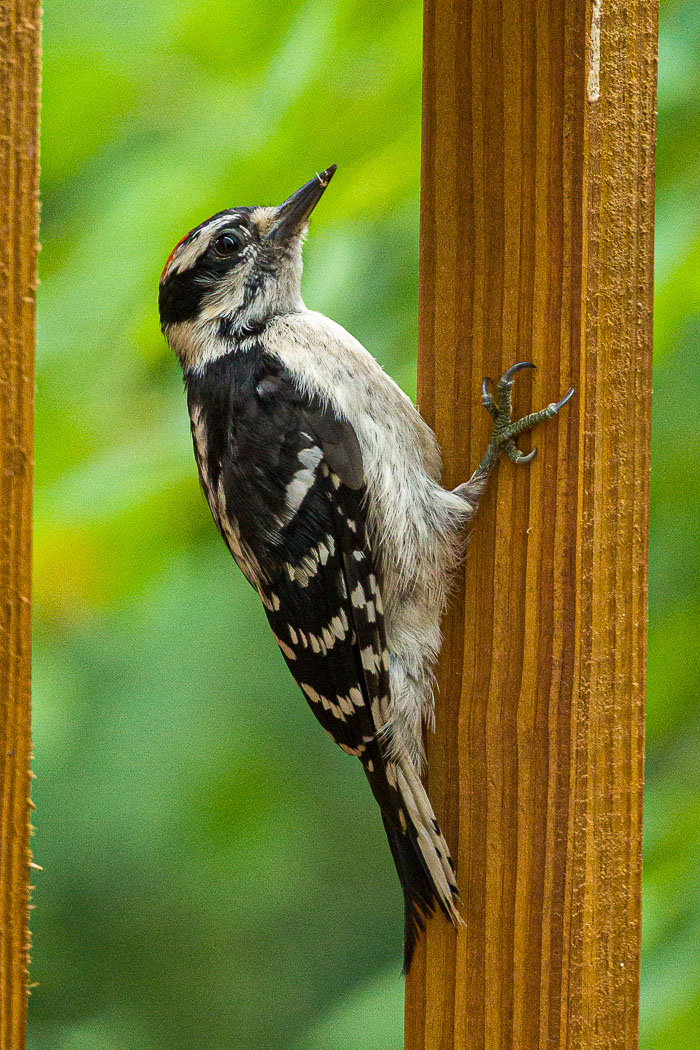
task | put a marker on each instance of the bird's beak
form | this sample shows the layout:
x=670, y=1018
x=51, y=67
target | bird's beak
x=292, y=215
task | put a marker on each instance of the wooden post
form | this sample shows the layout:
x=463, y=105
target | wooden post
x=536, y=243
x=19, y=213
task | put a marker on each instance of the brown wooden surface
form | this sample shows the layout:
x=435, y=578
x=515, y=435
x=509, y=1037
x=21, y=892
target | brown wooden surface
x=536, y=243
x=19, y=113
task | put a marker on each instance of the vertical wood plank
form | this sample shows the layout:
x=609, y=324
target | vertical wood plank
x=537, y=243
x=19, y=214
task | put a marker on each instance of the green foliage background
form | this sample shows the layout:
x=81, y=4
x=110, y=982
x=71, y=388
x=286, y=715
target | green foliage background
x=215, y=873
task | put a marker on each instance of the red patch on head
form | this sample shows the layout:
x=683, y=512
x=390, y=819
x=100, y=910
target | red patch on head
x=170, y=257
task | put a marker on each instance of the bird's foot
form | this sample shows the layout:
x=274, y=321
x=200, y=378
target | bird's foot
x=505, y=431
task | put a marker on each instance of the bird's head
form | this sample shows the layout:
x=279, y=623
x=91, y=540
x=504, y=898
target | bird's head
x=232, y=273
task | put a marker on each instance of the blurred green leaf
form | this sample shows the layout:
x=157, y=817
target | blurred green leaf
x=365, y=1020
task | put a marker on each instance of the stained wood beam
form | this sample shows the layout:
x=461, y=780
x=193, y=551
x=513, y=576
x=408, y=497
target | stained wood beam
x=536, y=243
x=19, y=214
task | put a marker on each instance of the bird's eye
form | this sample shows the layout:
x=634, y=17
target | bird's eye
x=228, y=243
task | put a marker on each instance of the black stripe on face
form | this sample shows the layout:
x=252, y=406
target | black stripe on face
x=181, y=292
x=180, y=297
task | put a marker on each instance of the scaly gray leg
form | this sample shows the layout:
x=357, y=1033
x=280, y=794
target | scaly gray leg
x=505, y=431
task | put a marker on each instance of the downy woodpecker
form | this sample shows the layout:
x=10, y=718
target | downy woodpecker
x=324, y=483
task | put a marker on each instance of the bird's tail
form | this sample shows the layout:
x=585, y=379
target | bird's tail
x=422, y=858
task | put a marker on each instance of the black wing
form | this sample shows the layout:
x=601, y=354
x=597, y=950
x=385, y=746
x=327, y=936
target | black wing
x=324, y=602
x=325, y=609
x=285, y=483
x=284, y=479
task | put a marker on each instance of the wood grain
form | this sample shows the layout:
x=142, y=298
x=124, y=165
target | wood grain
x=536, y=243
x=19, y=214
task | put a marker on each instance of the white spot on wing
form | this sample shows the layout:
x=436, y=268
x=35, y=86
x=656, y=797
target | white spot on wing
x=328, y=705
x=302, y=481
x=356, y=751
x=371, y=661
x=339, y=628
x=356, y=697
x=310, y=457
x=289, y=653
x=243, y=555
x=296, y=490
x=358, y=597
x=345, y=705
x=270, y=601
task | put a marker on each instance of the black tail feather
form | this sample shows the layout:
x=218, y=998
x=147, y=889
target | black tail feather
x=420, y=898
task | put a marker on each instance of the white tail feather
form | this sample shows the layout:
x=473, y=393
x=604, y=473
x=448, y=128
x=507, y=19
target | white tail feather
x=432, y=845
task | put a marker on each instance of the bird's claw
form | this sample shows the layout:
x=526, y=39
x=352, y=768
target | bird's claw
x=516, y=456
x=507, y=377
x=487, y=397
x=505, y=431
x=567, y=397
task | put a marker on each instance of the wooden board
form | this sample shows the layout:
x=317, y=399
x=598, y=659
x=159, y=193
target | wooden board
x=536, y=243
x=19, y=215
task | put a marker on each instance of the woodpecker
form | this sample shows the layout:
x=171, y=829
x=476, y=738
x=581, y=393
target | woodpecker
x=324, y=482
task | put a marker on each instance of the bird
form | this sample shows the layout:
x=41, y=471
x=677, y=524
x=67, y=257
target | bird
x=325, y=484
